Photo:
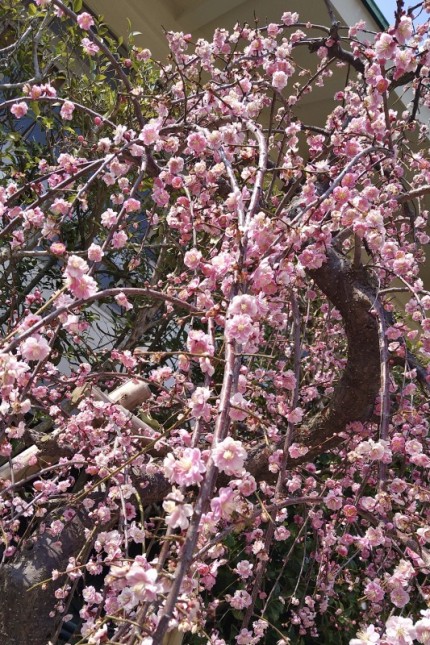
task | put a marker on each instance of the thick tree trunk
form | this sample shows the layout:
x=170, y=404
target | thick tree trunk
x=25, y=612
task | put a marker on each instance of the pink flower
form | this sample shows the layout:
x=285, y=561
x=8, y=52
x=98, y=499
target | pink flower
x=370, y=635
x=198, y=403
x=132, y=205
x=83, y=287
x=238, y=401
x=295, y=416
x=121, y=300
x=289, y=18
x=60, y=207
x=244, y=304
x=95, y=253
x=192, y=258
x=57, y=248
x=279, y=80
x=385, y=47
x=399, y=597
x=119, y=239
x=239, y=328
x=422, y=629
x=76, y=267
x=196, y=142
x=244, y=569
x=35, y=348
x=296, y=450
x=85, y=21
x=177, y=512
x=143, y=580
x=229, y=456
x=186, y=470
x=373, y=591
x=240, y=600
x=19, y=109
x=281, y=533
x=149, y=133
x=399, y=630
x=200, y=343
x=404, y=29
x=66, y=111
x=109, y=218
x=225, y=504
x=90, y=48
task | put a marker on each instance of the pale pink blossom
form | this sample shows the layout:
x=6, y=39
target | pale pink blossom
x=122, y=301
x=244, y=304
x=119, y=239
x=422, y=630
x=240, y=328
x=279, y=80
x=132, y=205
x=244, y=569
x=109, y=218
x=399, y=630
x=177, y=511
x=197, y=142
x=240, y=600
x=85, y=21
x=364, y=637
x=404, y=29
x=199, y=343
x=149, y=133
x=90, y=48
x=297, y=450
x=35, y=348
x=229, y=456
x=83, y=287
x=19, y=109
x=185, y=470
x=76, y=267
x=225, y=503
x=198, y=404
x=239, y=410
x=373, y=591
x=66, y=111
x=142, y=579
x=192, y=259
x=289, y=18
x=57, y=248
x=95, y=253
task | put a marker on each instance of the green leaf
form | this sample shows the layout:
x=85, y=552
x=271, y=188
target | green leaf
x=77, y=6
x=35, y=107
x=32, y=9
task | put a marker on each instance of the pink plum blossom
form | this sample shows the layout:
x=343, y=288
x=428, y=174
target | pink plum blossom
x=200, y=343
x=177, y=511
x=90, y=48
x=67, y=110
x=95, y=253
x=185, y=470
x=239, y=410
x=19, y=109
x=35, y=348
x=198, y=404
x=85, y=21
x=229, y=456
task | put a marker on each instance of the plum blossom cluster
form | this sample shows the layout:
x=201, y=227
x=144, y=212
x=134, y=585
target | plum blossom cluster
x=202, y=346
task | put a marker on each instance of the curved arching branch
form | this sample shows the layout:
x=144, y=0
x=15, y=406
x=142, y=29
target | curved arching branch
x=351, y=292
